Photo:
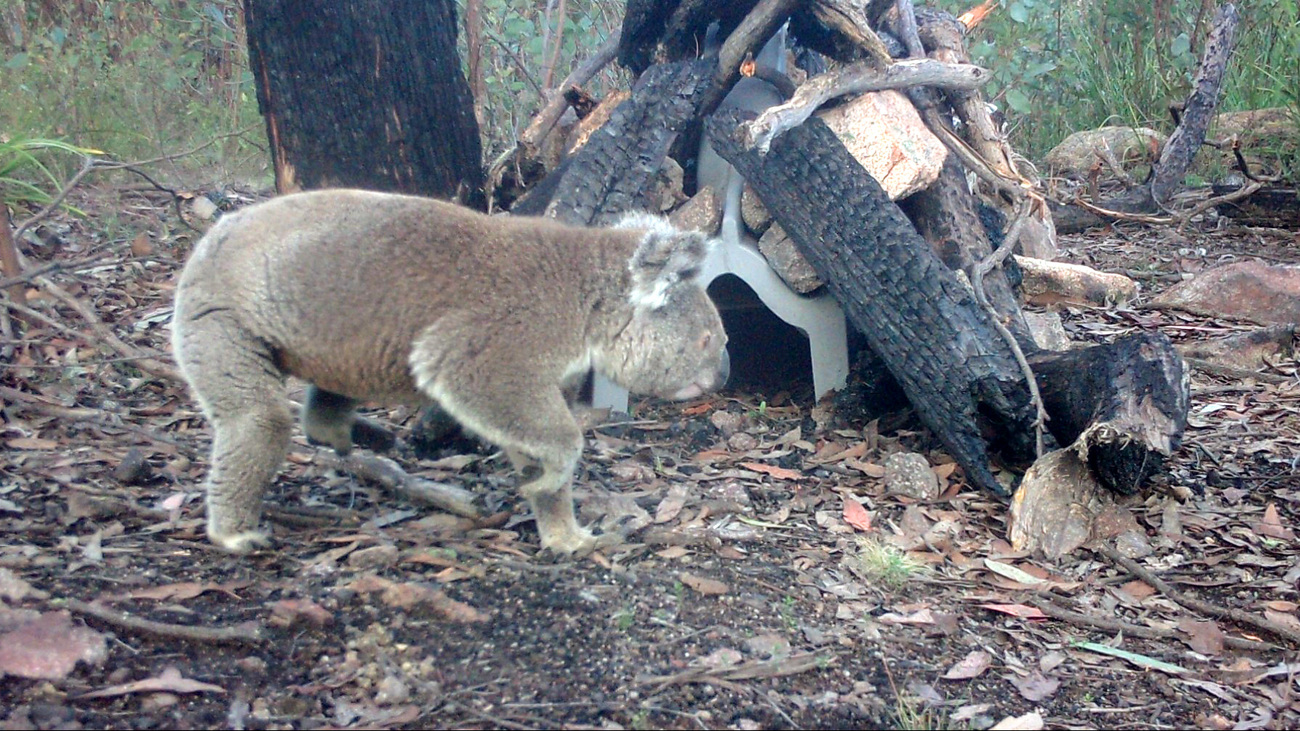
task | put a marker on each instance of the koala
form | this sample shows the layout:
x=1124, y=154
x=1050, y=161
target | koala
x=399, y=299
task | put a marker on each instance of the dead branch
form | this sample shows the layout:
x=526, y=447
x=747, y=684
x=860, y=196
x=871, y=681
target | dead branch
x=386, y=474
x=849, y=20
x=978, y=273
x=545, y=120
x=753, y=31
x=854, y=79
x=1206, y=366
x=1204, y=607
x=1049, y=606
x=245, y=633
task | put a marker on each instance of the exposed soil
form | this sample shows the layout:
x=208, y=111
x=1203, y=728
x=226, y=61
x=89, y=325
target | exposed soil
x=752, y=596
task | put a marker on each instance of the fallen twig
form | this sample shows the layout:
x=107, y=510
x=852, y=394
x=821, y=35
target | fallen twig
x=1206, y=366
x=389, y=476
x=245, y=633
x=1204, y=607
x=94, y=416
x=1048, y=605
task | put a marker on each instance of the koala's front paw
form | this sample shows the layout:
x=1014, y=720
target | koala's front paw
x=241, y=543
x=580, y=542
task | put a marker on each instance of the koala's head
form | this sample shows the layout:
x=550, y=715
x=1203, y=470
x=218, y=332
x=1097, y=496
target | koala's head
x=674, y=345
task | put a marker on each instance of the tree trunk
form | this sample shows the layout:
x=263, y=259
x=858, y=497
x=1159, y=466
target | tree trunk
x=365, y=93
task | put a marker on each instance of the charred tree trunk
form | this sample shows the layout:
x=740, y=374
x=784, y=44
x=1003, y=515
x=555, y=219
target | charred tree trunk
x=1126, y=400
x=365, y=93
x=1183, y=143
x=925, y=324
x=615, y=171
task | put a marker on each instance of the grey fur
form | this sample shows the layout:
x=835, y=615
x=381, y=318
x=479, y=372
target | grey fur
x=391, y=298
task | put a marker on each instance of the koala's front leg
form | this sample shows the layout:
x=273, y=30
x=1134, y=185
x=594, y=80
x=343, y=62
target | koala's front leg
x=535, y=428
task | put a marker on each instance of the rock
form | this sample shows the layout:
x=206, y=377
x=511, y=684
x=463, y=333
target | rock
x=1038, y=237
x=134, y=469
x=1254, y=125
x=703, y=212
x=1251, y=290
x=909, y=474
x=375, y=557
x=786, y=260
x=1247, y=351
x=753, y=212
x=1078, y=153
x=885, y=133
x=1051, y=282
x=1047, y=330
x=668, y=185
x=391, y=691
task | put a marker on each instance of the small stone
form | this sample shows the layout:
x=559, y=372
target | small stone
x=1047, y=330
x=726, y=422
x=375, y=557
x=391, y=691
x=742, y=442
x=909, y=474
x=786, y=260
x=252, y=664
x=158, y=701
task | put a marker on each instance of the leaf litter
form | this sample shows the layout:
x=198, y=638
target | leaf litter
x=734, y=600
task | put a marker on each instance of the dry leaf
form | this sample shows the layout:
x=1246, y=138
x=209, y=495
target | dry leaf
x=1016, y=610
x=856, y=515
x=704, y=586
x=971, y=666
x=671, y=505
x=1271, y=525
x=31, y=443
x=1204, y=637
x=1032, y=721
x=49, y=646
x=1036, y=687
x=289, y=612
x=169, y=680
x=780, y=473
x=14, y=589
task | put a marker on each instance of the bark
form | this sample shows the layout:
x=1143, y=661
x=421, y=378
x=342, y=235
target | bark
x=1274, y=207
x=615, y=171
x=1127, y=399
x=916, y=315
x=947, y=215
x=365, y=93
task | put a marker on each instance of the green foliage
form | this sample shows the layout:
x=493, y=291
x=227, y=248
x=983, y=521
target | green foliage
x=25, y=175
x=518, y=43
x=1062, y=66
x=137, y=78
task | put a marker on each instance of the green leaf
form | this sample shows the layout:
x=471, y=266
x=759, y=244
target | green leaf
x=1133, y=657
x=16, y=61
x=1018, y=12
x=1181, y=46
x=1018, y=101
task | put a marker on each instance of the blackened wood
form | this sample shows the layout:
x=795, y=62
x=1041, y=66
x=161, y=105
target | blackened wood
x=643, y=26
x=917, y=316
x=1199, y=108
x=947, y=214
x=615, y=171
x=1133, y=394
x=365, y=93
x=1273, y=206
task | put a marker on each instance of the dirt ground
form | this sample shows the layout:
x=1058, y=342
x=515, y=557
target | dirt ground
x=772, y=582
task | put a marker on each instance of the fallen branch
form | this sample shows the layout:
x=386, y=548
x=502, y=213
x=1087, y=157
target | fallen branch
x=1215, y=369
x=245, y=633
x=855, y=79
x=1204, y=607
x=94, y=416
x=386, y=474
x=1048, y=605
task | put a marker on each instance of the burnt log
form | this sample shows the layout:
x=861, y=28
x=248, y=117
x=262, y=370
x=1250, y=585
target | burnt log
x=922, y=321
x=948, y=216
x=1123, y=405
x=615, y=171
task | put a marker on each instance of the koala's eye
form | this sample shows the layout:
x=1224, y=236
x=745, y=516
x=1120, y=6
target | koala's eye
x=691, y=273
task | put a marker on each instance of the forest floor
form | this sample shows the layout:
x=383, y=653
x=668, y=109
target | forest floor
x=772, y=581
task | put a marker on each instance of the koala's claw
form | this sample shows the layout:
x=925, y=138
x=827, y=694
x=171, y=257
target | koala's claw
x=582, y=542
x=241, y=543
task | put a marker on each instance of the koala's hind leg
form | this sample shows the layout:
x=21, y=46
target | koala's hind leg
x=330, y=419
x=242, y=394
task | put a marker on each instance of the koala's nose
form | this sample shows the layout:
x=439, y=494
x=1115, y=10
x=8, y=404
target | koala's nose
x=724, y=369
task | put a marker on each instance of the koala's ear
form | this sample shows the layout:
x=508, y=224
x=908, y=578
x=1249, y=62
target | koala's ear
x=664, y=257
